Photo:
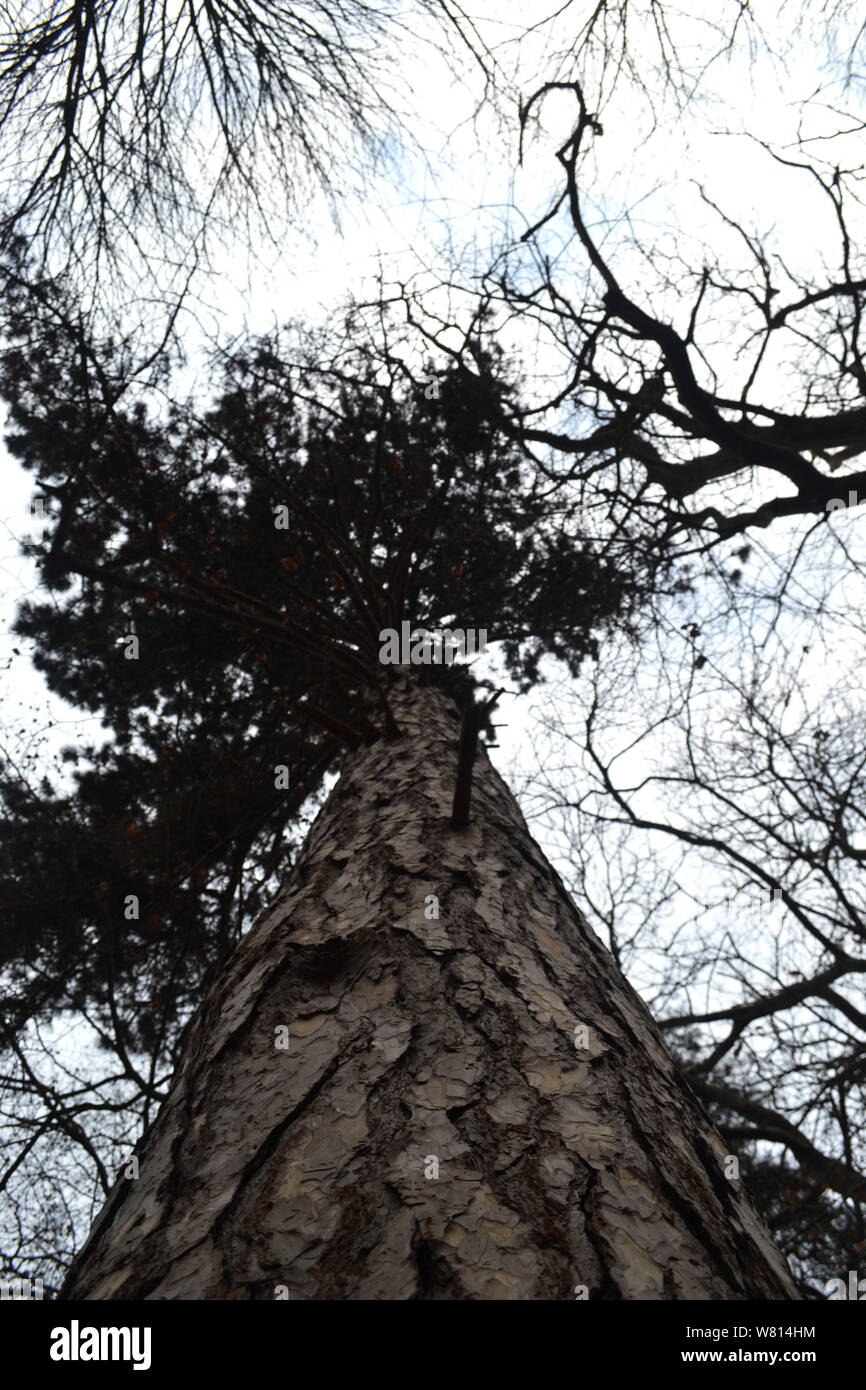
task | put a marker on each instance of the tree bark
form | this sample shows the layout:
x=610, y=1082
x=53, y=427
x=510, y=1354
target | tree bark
x=472, y=1106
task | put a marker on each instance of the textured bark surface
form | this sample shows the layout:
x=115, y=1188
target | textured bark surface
x=418, y=1041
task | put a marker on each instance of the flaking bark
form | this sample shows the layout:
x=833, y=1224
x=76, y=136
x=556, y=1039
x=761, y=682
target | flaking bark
x=416, y=1038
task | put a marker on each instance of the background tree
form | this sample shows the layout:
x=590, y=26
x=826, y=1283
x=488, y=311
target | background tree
x=136, y=139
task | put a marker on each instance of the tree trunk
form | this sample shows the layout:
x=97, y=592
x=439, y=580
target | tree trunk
x=472, y=1106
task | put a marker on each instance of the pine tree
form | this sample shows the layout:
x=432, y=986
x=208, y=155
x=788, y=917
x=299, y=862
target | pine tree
x=419, y=1074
